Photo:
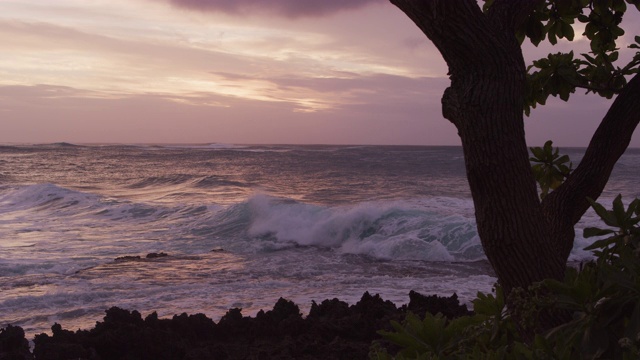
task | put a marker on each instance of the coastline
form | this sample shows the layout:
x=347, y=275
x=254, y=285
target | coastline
x=331, y=330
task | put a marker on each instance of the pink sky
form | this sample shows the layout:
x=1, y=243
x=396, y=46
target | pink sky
x=239, y=71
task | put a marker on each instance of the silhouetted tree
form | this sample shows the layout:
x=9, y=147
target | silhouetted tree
x=527, y=239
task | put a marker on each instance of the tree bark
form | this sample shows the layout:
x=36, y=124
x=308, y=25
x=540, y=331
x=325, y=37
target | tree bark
x=485, y=103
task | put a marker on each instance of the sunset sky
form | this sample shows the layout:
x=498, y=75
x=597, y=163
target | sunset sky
x=239, y=71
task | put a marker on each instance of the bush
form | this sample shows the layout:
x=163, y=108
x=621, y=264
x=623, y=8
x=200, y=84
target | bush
x=602, y=297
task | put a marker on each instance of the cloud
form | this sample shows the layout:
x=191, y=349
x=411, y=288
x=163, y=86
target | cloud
x=286, y=8
x=32, y=114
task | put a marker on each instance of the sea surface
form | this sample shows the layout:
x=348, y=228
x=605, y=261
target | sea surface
x=242, y=226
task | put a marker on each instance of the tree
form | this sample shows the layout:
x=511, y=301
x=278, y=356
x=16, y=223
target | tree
x=527, y=239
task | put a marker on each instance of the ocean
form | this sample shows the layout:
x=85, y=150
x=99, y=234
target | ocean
x=241, y=225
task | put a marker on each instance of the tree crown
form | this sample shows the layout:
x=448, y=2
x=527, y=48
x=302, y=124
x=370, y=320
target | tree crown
x=601, y=71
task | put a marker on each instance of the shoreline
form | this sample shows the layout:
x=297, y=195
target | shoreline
x=331, y=330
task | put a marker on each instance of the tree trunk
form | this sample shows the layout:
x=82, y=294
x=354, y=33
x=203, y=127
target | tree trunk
x=485, y=103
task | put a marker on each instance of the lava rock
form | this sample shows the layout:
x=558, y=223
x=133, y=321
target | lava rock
x=448, y=306
x=13, y=345
x=332, y=330
x=127, y=258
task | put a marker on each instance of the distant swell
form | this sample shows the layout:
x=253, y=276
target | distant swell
x=44, y=196
x=176, y=179
x=215, y=181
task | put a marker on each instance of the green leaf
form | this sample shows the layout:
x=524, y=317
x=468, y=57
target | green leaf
x=537, y=152
x=605, y=215
x=619, y=6
x=552, y=38
x=567, y=31
x=599, y=244
x=593, y=231
x=618, y=210
x=634, y=206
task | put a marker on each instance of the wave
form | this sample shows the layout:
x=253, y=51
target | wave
x=43, y=196
x=186, y=181
x=223, y=147
x=65, y=145
x=59, y=204
x=432, y=229
x=427, y=229
x=216, y=181
x=215, y=146
x=212, y=146
x=385, y=230
x=173, y=179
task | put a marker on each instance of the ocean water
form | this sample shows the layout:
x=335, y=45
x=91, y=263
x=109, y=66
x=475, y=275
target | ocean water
x=242, y=226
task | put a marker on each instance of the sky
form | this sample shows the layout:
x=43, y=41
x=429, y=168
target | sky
x=240, y=71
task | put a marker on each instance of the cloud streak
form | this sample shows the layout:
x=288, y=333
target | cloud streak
x=46, y=113
x=285, y=8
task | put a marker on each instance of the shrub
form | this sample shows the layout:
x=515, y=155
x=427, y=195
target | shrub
x=602, y=296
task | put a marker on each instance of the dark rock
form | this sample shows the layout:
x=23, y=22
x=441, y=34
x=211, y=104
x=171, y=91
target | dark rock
x=13, y=345
x=127, y=258
x=284, y=310
x=329, y=309
x=332, y=330
x=156, y=255
x=63, y=344
x=448, y=306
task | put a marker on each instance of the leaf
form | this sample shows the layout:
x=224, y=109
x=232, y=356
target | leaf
x=634, y=206
x=537, y=152
x=618, y=210
x=567, y=31
x=599, y=244
x=534, y=29
x=633, y=327
x=593, y=231
x=605, y=215
x=617, y=31
x=552, y=38
x=619, y=6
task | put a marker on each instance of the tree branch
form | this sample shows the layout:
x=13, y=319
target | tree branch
x=509, y=14
x=608, y=143
x=459, y=22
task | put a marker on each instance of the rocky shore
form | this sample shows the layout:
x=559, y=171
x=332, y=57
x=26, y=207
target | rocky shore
x=331, y=330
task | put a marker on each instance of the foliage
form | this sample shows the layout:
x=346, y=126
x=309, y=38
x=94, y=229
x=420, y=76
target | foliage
x=602, y=297
x=626, y=236
x=598, y=71
x=550, y=168
x=489, y=332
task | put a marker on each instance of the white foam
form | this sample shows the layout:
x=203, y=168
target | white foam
x=386, y=230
